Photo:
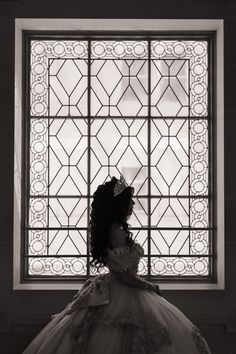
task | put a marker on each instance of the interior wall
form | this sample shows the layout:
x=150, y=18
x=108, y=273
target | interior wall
x=23, y=313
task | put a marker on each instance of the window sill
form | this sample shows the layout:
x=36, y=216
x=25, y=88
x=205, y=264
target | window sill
x=70, y=286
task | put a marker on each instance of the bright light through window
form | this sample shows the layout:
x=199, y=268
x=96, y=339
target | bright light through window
x=101, y=108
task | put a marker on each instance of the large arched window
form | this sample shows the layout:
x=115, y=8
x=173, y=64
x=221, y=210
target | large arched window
x=140, y=104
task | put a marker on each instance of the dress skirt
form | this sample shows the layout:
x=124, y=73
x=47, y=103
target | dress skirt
x=135, y=321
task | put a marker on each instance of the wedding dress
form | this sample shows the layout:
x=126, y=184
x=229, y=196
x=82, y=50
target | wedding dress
x=108, y=317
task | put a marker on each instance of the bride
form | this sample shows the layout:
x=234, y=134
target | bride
x=117, y=312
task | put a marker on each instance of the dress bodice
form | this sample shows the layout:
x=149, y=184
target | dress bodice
x=125, y=258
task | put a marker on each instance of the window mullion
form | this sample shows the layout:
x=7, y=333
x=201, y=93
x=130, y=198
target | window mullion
x=88, y=151
x=149, y=159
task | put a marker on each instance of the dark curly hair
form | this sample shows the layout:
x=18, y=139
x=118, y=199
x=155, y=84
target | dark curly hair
x=107, y=209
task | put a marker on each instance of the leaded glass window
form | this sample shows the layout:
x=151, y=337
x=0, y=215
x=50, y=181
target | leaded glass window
x=101, y=107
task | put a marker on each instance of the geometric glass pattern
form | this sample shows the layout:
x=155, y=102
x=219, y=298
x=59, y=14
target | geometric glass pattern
x=101, y=107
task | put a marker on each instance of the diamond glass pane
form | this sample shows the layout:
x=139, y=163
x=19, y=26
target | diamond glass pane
x=179, y=80
x=101, y=108
x=179, y=242
x=170, y=156
x=165, y=242
x=58, y=212
x=170, y=212
x=57, y=242
x=179, y=157
x=119, y=146
x=67, y=156
x=119, y=81
x=58, y=78
x=141, y=237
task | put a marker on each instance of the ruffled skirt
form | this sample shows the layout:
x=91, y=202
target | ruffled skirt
x=135, y=321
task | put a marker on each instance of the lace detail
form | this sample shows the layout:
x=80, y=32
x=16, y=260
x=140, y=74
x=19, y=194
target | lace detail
x=150, y=337
x=123, y=258
x=200, y=341
x=140, y=338
x=80, y=335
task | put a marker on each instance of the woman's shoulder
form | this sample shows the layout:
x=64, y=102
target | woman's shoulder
x=117, y=236
x=119, y=241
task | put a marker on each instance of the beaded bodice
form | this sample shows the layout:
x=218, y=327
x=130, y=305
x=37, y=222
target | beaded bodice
x=125, y=258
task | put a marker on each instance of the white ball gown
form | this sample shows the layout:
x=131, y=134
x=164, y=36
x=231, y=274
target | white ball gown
x=108, y=317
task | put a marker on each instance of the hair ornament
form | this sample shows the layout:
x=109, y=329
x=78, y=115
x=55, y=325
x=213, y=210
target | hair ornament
x=119, y=186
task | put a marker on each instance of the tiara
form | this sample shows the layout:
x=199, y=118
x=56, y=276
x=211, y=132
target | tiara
x=119, y=186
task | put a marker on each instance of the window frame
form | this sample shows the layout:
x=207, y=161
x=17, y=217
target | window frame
x=184, y=28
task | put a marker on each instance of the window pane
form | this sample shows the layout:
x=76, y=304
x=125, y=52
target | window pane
x=58, y=78
x=101, y=108
x=119, y=146
x=58, y=212
x=199, y=151
x=177, y=242
x=38, y=156
x=170, y=156
x=176, y=266
x=170, y=212
x=58, y=266
x=57, y=242
x=123, y=95
x=179, y=71
x=179, y=157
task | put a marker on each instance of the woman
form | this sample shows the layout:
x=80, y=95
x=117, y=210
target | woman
x=117, y=312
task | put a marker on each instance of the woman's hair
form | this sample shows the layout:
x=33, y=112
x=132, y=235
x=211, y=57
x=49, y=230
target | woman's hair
x=107, y=209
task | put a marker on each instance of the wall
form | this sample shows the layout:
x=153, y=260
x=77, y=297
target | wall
x=24, y=313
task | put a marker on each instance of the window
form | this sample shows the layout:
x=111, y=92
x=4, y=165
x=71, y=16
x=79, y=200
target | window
x=140, y=104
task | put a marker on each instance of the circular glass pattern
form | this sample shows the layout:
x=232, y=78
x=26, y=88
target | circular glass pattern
x=179, y=266
x=79, y=49
x=39, y=108
x=39, y=127
x=99, y=49
x=38, y=167
x=38, y=48
x=160, y=265
x=78, y=266
x=159, y=49
x=38, y=187
x=57, y=266
x=38, y=246
x=39, y=68
x=199, y=246
x=37, y=266
x=59, y=49
x=200, y=266
x=139, y=49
